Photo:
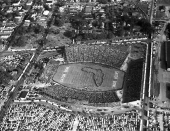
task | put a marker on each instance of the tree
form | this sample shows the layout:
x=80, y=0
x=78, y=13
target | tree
x=146, y=27
x=20, y=41
x=53, y=30
x=40, y=42
x=22, y=30
x=58, y=22
x=69, y=34
x=102, y=1
x=78, y=20
x=5, y=77
x=110, y=35
x=103, y=35
x=120, y=31
x=95, y=23
x=59, y=3
x=38, y=28
x=46, y=7
x=39, y=2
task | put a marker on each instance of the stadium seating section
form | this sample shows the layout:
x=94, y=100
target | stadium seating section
x=112, y=55
x=62, y=93
x=133, y=81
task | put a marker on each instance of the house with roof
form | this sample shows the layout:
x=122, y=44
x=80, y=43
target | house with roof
x=10, y=9
x=18, y=19
x=10, y=25
x=16, y=4
x=73, y=11
x=4, y=36
x=7, y=30
x=27, y=23
x=29, y=2
x=88, y=10
x=46, y=12
x=2, y=27
x=49, y=2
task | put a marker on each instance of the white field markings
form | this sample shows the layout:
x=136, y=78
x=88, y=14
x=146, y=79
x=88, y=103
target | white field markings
x=116, y=75
x=64, y=74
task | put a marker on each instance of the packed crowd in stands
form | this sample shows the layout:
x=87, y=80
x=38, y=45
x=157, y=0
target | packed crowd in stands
x=133, y=81
x=112, y=55
x=62, y=93
x=38, y=117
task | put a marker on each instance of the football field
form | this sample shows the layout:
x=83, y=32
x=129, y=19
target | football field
x=89, y=76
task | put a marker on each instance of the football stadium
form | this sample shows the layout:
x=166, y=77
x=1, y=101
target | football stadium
x=95, y=75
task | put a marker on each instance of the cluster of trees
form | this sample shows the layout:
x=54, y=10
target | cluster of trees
x=117, y=22
x=21, y=37
x=58, y=17
x=104, y=1
x=88, y=36
x=58, y=21
x=70, y=34
x=53, y=30
x=78, y=20
x=167, y=31
x=19, y=41
x=145, y=26
x=5, y=77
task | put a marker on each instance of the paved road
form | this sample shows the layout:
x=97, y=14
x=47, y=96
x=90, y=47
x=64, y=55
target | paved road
x=143, y=124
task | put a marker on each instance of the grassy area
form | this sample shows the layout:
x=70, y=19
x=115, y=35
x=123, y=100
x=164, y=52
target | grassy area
x=56, y=37
x=48, y=54
x=93, y=77
x=143, y=6
x=49, y=71
x=57, y=40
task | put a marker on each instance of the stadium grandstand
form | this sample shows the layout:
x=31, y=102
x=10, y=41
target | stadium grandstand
x=112, y=55
x=92, y=75
x=132, y=84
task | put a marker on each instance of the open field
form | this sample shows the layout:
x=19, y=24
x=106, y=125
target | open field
x=48, y=54
x=89, y=76
x=56, y=37
x=57, y=40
